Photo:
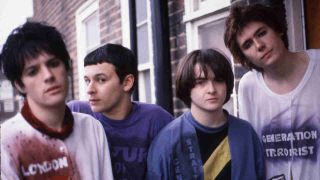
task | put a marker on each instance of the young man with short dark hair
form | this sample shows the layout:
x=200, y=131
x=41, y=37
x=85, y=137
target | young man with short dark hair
x=111, y=74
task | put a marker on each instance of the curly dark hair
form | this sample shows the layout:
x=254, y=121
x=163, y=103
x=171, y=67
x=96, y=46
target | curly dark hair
x=242, y=15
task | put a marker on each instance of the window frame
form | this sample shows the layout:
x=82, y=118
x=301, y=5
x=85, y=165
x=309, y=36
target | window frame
x=82, y=14
x=197, y=14
x=126, y=42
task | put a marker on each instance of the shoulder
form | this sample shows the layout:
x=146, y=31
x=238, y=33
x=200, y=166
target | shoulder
x=239, y=124
x=80, y=106
x=314, y=55
x=145, y=107
x=313, y=52
x=249, y=84
x=152, y=111
x=15, y=123
x=85, y=125
x=11, y=127
x=248, y=78
x=171, y=130
x=85, y=120
x=78, y=103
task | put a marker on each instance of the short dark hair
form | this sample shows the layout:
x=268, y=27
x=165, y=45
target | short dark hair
x=209, y=60
x=27, y=42
x=242, y=15
x=122, y=58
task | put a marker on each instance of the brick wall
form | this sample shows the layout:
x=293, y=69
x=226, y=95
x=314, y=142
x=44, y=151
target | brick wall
x=62, y=15
x=178, y=45
x=110, y=21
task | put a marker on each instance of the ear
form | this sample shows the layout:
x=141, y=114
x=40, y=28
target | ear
x=128, y=82
x=19, y=87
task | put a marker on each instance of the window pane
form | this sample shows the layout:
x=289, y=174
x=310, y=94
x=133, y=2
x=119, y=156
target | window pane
x=145, y=86
x=92, y=30
x=141, y=7
x=143, y=45
x=6, y=90
x=211, y=36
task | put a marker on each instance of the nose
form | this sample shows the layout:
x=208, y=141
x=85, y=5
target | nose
x=211, y=87
x=47, y=74
x=91, y=88
x=259, y=44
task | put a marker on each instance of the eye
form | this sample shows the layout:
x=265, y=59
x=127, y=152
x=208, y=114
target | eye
x=247, y=44
x=31, y=71
x=87, y=81
x=262, y=33
x=199, y=81
x=101, y=80
x=54, y=63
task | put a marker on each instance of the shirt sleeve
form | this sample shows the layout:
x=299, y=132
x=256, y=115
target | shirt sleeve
x=159, y=160
x=9, y=168
x=104, y=153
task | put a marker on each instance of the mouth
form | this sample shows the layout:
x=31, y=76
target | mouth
x=266, y=55
x=93, y=101
x=212, y=99
x=53, y=89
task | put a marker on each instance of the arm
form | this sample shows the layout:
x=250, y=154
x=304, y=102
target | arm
x=9, y=168
x=159, y=161
x=104, y=153
x=259, y=157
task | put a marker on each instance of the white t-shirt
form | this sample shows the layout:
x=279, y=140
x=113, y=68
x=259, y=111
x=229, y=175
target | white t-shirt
x=288, y=124
x=27, y=153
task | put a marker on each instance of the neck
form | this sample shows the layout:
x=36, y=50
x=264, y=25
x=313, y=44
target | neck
x=286, y=75
x=286, y=65
x=209, y=119
x=51, y=116
x=121, y=111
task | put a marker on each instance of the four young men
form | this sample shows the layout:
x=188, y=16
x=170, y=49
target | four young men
x=278, y=97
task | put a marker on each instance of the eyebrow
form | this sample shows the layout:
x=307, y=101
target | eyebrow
x=28, y=66
x=97, y=75
x=200, y=78
x=254, y=34
x=259, y=30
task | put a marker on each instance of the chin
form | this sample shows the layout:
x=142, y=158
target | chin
x=95, y=109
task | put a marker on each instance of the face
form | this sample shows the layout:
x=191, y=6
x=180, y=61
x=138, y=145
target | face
x=45, y=81
x=208, y=94
x=105, y=91
x=261, y=44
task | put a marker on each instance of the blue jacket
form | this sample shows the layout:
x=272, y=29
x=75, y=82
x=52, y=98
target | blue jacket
x=175, y=154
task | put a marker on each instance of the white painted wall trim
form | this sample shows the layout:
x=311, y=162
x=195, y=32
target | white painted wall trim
x=125, y=23
x=88, y=8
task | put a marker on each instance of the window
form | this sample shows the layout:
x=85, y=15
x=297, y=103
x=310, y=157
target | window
x=205, y=21
x=145, y=55
x=144, y=47
x=6, y=96
x=88, y=38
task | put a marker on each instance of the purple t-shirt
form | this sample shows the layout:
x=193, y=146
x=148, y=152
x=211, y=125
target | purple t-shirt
x=129, y=139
